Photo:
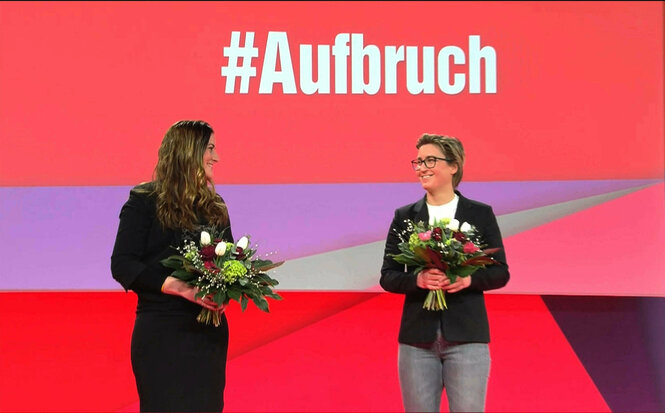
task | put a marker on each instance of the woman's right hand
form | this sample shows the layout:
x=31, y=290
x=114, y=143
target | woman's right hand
x=175, y=286
x=432, y=279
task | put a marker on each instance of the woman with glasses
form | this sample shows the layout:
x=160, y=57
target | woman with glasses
x=179, y=364
x=449, y=348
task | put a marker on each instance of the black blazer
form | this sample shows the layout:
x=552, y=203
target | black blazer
x=140, y=244
x=465, y=319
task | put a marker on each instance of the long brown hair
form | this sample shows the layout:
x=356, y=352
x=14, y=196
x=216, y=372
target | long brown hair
x=184, y=193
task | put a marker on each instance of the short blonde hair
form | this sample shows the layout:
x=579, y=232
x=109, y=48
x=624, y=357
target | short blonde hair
x=451, y=148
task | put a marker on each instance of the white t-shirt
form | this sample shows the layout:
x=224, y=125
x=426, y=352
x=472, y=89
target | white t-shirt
x=438, y=212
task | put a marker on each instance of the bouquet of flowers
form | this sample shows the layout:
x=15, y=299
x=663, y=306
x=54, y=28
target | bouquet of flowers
x=225, y=271
x=453, y=248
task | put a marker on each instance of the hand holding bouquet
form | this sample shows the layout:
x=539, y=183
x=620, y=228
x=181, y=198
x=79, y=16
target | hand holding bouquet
x=452, y=248
x=224, y=271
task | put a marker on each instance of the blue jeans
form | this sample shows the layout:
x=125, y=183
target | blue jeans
x=461, y=368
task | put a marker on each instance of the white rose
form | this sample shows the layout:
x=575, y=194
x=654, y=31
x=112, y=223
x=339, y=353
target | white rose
x=243, y=243
x=205, y=238
x=466, y=227
x=220, y=249
x=453, y=224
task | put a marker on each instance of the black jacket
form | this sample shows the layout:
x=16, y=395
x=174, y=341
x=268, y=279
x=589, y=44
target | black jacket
x=140, y=244
x=465, y=319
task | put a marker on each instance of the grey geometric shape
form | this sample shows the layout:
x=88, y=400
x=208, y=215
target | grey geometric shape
x=357, y=268
x=347, y=269
x=516, y=222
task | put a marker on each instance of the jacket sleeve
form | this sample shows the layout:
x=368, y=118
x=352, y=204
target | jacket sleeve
x=129, y=257
x=496, y=275
x=394, y=276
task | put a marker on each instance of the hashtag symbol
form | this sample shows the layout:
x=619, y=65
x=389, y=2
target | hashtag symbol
x=246, y=71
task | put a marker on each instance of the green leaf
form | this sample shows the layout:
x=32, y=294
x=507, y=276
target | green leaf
x=189, y=267
x=465, y=271
x=265, y=279
x=234, y=294
x=421, y=254
x=274, y=295
x=406, y=260
x=171, y=264
x=258, y=262
x=265, y=289
x=243, y=302
x=265, y=265
x=174, y=261
x=261, y=303
x=406, y=250
x=183, y=275
x=219, y=298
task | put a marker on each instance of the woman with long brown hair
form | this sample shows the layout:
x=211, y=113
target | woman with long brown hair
x=179, y=364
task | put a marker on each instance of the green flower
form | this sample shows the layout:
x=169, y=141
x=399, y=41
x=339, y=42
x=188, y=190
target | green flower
x=414, y=240
x=190, y=255
x=233, y=270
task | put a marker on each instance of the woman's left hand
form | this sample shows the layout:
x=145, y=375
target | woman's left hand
x=459, y=284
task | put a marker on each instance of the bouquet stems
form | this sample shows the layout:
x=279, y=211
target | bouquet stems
x=435, y=300
x=209, y=317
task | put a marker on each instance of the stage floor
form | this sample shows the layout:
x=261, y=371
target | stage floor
x=315, y=352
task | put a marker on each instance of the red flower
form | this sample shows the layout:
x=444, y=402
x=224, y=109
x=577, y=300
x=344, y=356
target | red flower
x=208, y=253
x=459, y=236
x=241, y=253
x=470, y=248
x=437, y=233
x=211, y=266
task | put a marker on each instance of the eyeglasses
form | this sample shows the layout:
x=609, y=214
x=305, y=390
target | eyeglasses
x=430, y=162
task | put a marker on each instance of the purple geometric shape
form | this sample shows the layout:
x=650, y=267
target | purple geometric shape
x=61, y=238
x=619, y=342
